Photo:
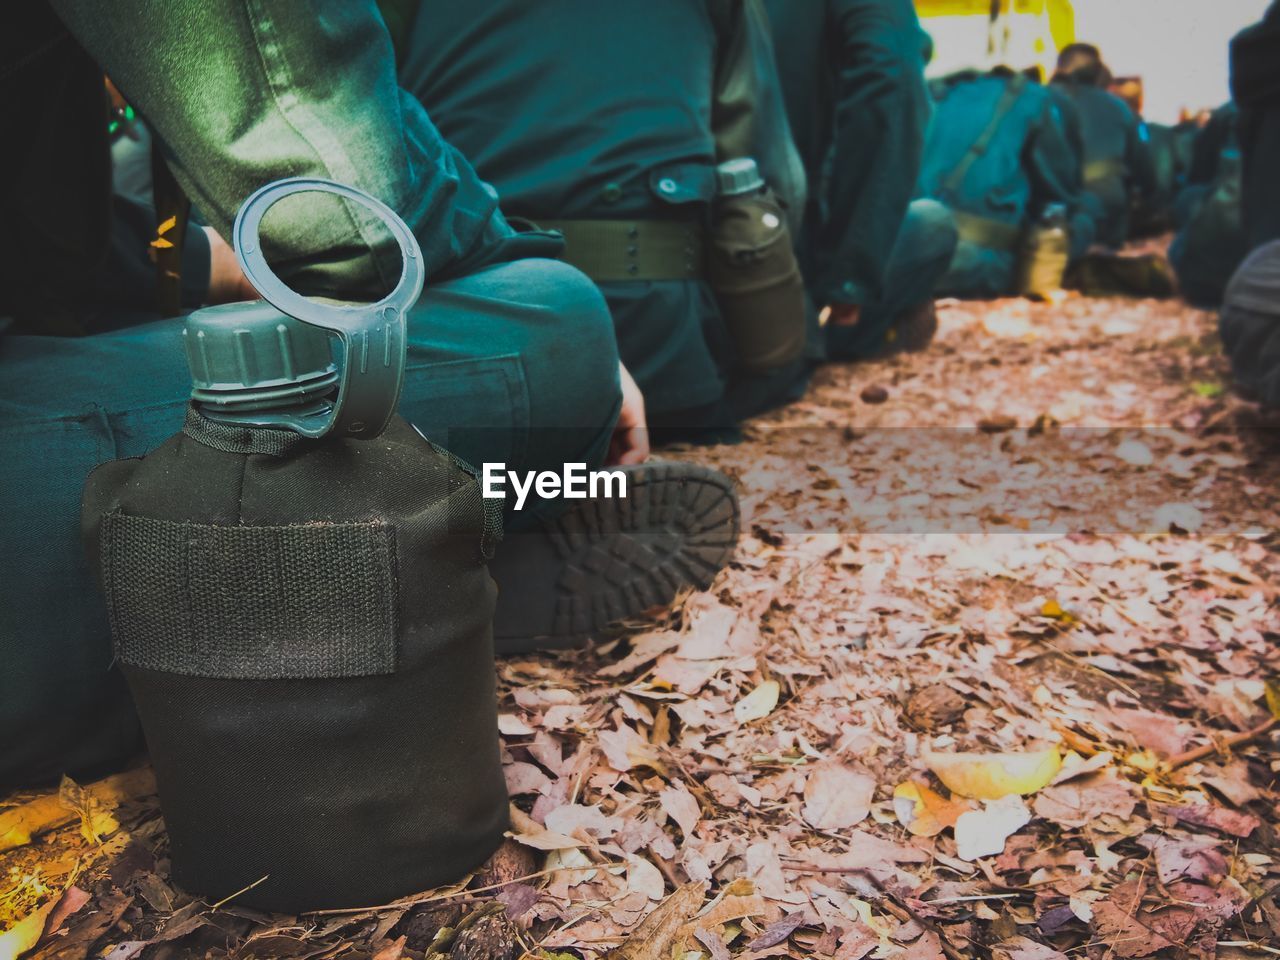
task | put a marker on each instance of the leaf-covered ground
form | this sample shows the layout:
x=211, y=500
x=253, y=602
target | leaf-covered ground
x=989, y=679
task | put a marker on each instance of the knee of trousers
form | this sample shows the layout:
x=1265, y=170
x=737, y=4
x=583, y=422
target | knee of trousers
x=571, y=351
x=560, y=325
x=977, y=273
x=930, y=232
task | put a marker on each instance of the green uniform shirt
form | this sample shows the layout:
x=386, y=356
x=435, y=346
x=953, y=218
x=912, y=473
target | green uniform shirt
x=1028, y=163
x=575, y=109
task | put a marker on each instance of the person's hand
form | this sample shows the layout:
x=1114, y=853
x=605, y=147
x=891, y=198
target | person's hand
x=843, y=314
x=630, y=442
x=227, y=282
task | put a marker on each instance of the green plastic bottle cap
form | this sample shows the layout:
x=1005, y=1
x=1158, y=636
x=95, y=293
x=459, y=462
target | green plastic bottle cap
x=271, y=364
x=734, y=177
x=250, y=355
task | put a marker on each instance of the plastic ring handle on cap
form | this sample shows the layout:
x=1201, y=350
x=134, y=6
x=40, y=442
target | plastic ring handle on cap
x=372, y=335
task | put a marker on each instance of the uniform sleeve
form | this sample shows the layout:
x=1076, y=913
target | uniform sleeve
x=244, y=92
x=882, y=110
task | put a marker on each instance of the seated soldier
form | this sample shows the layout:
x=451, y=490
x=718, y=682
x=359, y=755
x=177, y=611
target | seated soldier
x=1118, y=167
x=1250, y=325
x=1210, y=243
x=608, y=129
x=999, y=156
x=1250, y=319
x=852, y=72
x=502, y=340
x=1255, y=88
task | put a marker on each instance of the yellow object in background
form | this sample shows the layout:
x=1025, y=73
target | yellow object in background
x=983, y=33
x=1177, y=47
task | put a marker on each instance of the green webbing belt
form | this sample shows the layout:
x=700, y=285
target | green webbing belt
x=1010, y=96
x=1103, y=169
x=633, y=249
x=984, y=232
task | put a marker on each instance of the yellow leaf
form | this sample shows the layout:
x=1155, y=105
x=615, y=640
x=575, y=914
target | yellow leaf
x=990, y=776
x=1143, y=760
x=160, y=243
x=26, y=933
x=757, y=704
x=1273, y=696
x=924, y=812
x=1054, y=611
x=167, y=226
x=48, y=812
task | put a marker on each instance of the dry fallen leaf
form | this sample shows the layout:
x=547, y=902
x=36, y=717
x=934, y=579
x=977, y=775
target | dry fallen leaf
x=836, y=797
x=681, y=806
x=655, y=937
x=982, y=833
x=757, y=704
x=644, y=877
x=924, y=812
x=1136, y=453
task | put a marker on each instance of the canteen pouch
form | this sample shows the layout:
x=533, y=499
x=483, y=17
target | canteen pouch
x=298, y=600
x=1042, y=260
x=306, y=630
x=752, y=268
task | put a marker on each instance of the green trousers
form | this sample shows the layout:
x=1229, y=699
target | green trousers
x=516, y=363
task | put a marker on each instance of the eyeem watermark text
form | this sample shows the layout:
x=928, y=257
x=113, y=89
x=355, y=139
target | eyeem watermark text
x=575, y=483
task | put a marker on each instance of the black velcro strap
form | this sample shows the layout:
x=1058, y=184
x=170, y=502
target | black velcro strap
x=251, y=603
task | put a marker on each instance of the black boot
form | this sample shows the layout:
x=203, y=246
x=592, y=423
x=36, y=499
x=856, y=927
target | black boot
x=915, y=327
x=608, y=559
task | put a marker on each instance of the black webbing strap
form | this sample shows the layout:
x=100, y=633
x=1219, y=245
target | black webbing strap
x=1007, y=99
x=251, y=603
x=623, y=250
x=173, y=210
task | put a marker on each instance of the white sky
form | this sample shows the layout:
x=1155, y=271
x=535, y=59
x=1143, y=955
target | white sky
x=1179, y=47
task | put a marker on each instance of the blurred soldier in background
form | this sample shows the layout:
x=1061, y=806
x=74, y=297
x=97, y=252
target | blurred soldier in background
x=1255, y=87
x=1000, y=157
x=1117, y=160
x=1210, y=243
x=1250, y=319
x=852, y=73
x=608, y=123
x=1170, y=149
